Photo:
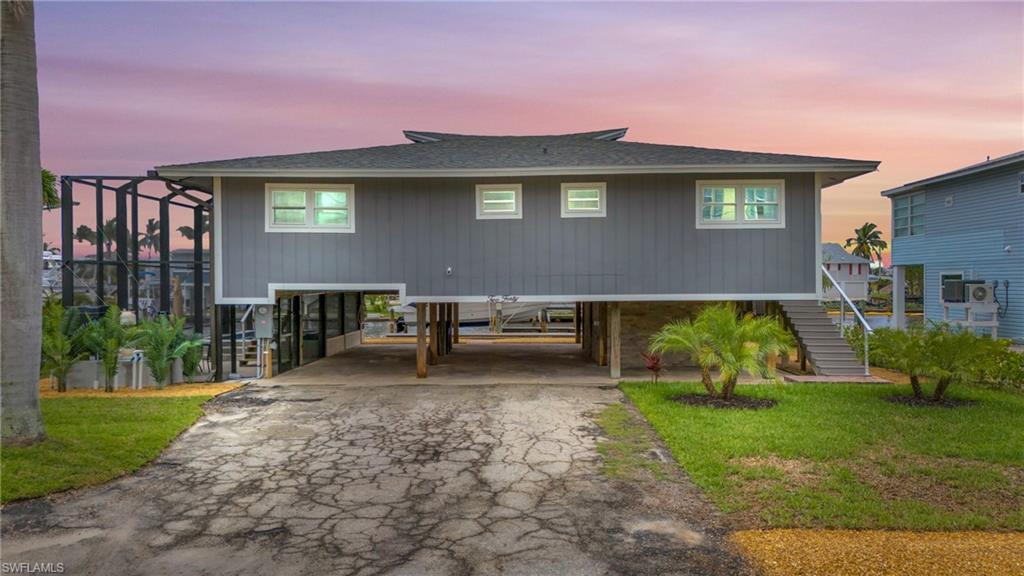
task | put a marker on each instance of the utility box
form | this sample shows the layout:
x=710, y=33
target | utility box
x=263, y=320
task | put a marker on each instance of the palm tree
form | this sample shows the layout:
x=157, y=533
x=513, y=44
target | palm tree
x=906, y=351
x=85, y=234
x=190, y=234
x=20, y=264
x=688, y=337
x=867, y=242
x=50, y=197
x=721, y=338
x=150, y=238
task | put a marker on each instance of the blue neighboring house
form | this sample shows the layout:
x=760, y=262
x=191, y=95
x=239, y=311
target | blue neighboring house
x=966, y=224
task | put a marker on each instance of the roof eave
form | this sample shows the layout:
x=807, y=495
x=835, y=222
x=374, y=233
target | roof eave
x=839, y=171
x=1007, y=160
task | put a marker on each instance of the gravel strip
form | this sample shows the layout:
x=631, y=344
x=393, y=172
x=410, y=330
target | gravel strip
x=880, y=552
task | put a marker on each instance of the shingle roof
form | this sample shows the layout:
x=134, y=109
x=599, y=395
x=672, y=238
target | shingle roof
x=989, y=164
x=437, y=151
x=833, y=253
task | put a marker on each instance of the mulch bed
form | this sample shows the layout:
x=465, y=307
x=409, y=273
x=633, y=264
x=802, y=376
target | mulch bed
x=736, y=402
x=928, y=402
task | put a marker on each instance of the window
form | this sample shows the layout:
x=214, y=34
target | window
x=496, y=201
x=908, y=215
x=741, y=204
x=310, y=208
x=583, y=200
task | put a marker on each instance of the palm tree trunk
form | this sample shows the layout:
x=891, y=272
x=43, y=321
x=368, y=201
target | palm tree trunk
x=727, y=388
x=21, y=227
x=940, y=389
x=709, y=384
x=915, y=383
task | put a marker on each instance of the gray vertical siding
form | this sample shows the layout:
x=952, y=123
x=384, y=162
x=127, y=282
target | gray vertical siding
x=410, y=230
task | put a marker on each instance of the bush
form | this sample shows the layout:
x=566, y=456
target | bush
x=162, y=341
x=948, y=354
x=63, y=341
x=105, y=337
x=721, y=338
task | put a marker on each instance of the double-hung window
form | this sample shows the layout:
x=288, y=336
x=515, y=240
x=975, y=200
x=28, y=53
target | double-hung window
x=741, y=204
x=310, y=208
x=584, y=200
x=908, y=215
x=499, y=201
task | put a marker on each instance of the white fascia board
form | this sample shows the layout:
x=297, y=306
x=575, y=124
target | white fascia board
x=183, y=171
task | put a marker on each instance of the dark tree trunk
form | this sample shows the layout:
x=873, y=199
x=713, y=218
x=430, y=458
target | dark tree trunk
x=940, y=389
x=915, y=383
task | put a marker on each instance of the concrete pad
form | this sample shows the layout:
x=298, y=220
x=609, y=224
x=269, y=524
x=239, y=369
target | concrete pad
x=474, y=364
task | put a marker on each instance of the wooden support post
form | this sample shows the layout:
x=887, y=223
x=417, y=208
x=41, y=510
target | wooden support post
x=588, y=328
x=455, y=326
x=442, y=343
x=433, y=333
x=543, y=321
x=576, y=322
x=602, y=334
x=421, y=340
x=614, y=341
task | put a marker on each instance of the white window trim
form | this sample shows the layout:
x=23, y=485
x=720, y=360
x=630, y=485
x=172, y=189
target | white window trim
x=602, y=210
x=910, y=214
x=961, y=273
x=309, y=226
x=481, y=215
x=740, y=197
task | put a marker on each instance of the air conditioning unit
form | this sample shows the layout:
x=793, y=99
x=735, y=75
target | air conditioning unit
x=953, y=291
x=980, y=292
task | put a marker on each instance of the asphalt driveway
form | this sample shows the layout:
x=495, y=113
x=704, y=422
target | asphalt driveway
x=402, y=480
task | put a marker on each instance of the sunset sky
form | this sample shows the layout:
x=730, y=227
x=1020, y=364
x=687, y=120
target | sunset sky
x=922, y=87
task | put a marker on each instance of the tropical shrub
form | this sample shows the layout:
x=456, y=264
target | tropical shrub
x=652, y=361
x=105, y=338
x=923, y=351
x=161, y=342
x=723, y=339
x=193, y=355
x=956, y=355
x=63, y=341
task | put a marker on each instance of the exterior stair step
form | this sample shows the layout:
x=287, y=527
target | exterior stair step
x=827, y=351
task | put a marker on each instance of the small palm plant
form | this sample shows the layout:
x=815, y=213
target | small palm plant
x=106, y=337
x=193, y=356
x=688, y=337
x=63, y=341
x=955, y=355
x=161, y=344
x=904, y=350
x=723, y=339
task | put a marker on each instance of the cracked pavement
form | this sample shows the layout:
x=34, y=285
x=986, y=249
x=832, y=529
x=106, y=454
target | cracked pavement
x=405, y=480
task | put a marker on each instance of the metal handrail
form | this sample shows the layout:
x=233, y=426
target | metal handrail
x=844, y=299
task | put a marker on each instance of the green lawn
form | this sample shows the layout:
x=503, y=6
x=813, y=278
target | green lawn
x=840, y=456
x=92, y=440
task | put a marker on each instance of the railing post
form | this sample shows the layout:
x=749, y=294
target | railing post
x=867, y=355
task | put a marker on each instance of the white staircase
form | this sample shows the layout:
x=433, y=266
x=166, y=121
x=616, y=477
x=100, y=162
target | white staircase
x=827, y=351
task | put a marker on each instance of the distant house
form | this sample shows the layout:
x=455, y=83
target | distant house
x=964, y=225
x=849, y=271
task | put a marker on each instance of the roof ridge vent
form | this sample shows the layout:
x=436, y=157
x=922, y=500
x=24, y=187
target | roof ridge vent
x=420, y=137
x=611, y=134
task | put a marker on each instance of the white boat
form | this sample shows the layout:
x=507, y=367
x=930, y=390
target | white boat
x=52, y=262
x=480, y=313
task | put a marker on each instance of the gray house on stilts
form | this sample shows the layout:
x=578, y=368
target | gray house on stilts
x=613, y=225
